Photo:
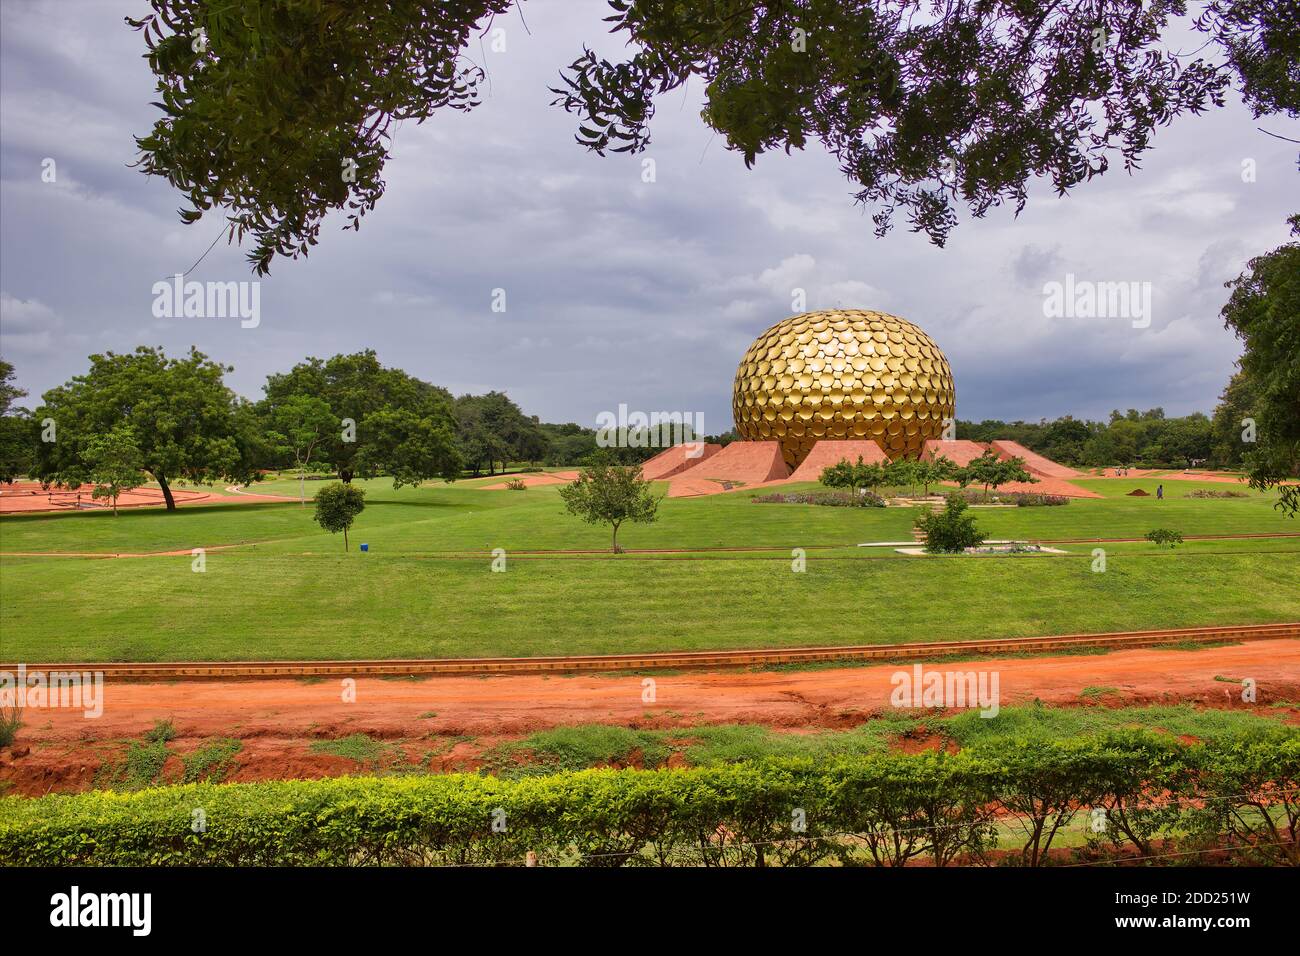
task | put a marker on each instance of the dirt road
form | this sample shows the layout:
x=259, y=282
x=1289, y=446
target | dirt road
x=59, y=749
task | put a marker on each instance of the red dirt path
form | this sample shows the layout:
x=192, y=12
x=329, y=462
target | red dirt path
x=24, y=497
x=59, y=750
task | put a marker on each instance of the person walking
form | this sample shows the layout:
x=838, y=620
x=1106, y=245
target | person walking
x=1160, y=492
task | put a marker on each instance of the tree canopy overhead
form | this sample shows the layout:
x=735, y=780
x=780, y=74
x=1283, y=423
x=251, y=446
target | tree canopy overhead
x=1264, y=311
x=278, y=113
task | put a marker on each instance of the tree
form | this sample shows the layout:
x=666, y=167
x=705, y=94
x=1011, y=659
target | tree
x=297, y=427
x=492, y=428
x=1185, y=440
x=1230, y=424
x=925, y=107
x=410, y=448
x=931, y=471
x=853, y=476
x=15, y=428
x=384, y=414
x=1164, y=536
x=902, y=472
x=951, y=530
x=113, y=463
x=991, y=471
x=337, y=504
x=184, y=420
x=605, y=493
x=1264, y=310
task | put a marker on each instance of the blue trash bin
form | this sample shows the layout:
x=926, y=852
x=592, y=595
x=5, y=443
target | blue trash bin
x=365, y=547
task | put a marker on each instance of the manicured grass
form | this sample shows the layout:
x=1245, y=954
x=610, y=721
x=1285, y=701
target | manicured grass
x=458, y=518
x=288, y=590
x=1121, y=487
x=257, y=605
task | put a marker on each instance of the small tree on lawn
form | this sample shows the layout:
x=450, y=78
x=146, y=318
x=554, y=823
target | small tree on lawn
x=113, y=463
x=930, y=471
x=853, y=476
x=991, y=471
x=951, y=530
x=902, y=472
x=1164, y=536
x=605, y=493
x=336, y=505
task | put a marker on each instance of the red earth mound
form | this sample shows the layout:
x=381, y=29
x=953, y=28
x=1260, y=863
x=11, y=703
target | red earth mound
x=742, y=463
x=679, y=458
x=1034, y=462
x=829, y=451
x=959, y=451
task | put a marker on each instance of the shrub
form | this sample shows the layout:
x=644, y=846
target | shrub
x=1023, y=499
x=11, y=718
x=516, y=484
x=951, y=530
x=1029, y=499
x=1211, y=493
x=162, y=732
x=1251, y=784
x=831, y=499
x=212, y=761
x=1163, y=536
x=1241, y=790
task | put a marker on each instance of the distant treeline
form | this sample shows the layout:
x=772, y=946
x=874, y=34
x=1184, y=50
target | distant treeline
x=1132, y=438
x=146, y=414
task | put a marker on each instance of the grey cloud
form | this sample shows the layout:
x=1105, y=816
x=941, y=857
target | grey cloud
x=617, y=290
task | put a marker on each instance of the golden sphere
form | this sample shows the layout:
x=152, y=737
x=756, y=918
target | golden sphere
x=843, y=374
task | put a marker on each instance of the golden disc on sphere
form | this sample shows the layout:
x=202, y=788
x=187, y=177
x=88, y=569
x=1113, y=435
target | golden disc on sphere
x=843, y=373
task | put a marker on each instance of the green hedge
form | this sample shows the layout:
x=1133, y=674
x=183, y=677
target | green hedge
x=1136, y=789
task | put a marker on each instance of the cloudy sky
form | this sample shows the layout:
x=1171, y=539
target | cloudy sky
x=617, y=290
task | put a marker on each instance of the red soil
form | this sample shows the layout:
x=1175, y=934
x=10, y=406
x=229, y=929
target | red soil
x=1131, y=473
x=1034, y=462
x=959, y=451
x=673, y=461
x=27, y=496
x=1203, y=476
x=59, y=750
x=748, y=463
x=1043, y=486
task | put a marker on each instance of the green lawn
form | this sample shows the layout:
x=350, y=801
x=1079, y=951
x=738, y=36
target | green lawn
x=460, y=518
x=256, y=605
x=289, y=591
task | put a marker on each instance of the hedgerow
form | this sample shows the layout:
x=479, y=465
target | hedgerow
x=1137, y=791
